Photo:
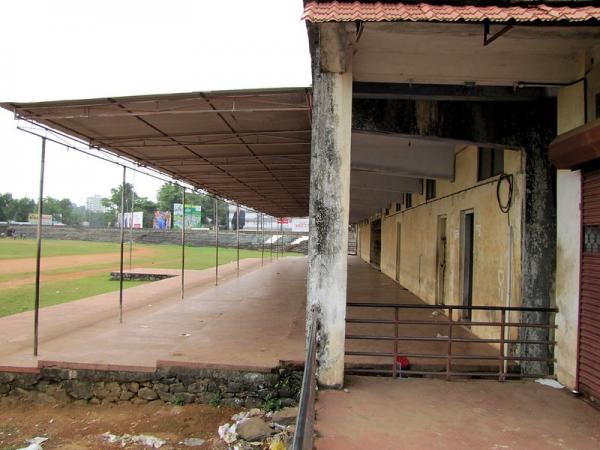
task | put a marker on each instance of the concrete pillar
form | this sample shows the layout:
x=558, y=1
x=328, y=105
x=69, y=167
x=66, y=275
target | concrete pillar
x=570, y=114
x=329, y=196
x=568, y=263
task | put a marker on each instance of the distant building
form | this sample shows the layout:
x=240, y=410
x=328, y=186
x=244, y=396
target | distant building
x=94, y=204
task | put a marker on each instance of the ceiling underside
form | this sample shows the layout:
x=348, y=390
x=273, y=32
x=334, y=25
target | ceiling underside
x=454, y=53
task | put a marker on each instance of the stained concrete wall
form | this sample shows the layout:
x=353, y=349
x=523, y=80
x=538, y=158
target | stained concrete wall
x=418, y=242
x=364, y=241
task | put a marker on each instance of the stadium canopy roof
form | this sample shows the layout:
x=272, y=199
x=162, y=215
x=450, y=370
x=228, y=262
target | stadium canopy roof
x=250, y=146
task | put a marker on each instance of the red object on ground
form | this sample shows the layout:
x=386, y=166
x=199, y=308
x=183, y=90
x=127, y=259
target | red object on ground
x=403, y=362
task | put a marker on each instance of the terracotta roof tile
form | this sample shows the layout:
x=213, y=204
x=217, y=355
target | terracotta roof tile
x=423, y=12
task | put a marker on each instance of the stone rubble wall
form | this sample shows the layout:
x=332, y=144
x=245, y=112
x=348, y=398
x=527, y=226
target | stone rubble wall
x=194, y=238
x=176, y=385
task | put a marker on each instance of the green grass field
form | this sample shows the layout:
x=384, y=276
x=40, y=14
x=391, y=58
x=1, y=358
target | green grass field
x=92, y=277
x=25, y=248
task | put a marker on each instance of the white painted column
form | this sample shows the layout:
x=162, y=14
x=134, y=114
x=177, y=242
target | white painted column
x=570, y=115
x=568, y=261
x=329, y=198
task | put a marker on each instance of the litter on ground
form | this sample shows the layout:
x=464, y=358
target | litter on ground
x=141, y=439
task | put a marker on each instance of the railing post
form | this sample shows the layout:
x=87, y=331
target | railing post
x=449, y=348
x=395, y=364
x=501, y=372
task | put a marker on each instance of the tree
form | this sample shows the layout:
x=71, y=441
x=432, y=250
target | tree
x=168, y=194
x=5, y=201
x=113, y=203
x=16, y=210
x=61, y=210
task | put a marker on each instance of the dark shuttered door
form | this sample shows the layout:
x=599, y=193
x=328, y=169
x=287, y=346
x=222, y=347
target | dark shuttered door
x=589, y=314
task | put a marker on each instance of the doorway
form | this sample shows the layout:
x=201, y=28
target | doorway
x=398, y=252
x=466, y=269
x=375, y=256
x=440, y=261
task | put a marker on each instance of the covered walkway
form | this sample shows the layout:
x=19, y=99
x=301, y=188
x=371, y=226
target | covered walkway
x=252, y=321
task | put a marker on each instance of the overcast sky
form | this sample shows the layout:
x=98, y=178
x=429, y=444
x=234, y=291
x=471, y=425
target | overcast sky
x=68, y=49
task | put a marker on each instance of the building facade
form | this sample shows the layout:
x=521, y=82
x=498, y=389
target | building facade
x=463, y=204
x=94, y=204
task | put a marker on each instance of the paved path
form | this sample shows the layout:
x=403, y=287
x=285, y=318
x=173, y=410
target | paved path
x=386, y=414
x=256, y=320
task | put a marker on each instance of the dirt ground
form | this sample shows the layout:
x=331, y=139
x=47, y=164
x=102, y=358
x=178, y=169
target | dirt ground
x=53, y=277
x=74, y=427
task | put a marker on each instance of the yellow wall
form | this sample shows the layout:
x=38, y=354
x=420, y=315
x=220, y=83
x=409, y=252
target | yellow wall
x=419, y=236
x=364, y=241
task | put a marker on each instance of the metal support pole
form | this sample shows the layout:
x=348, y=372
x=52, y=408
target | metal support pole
x=183, y=248
x=396, y=363
x=38, y=256
x=271, y=230
x=449, y=344
x=237, y=232
x=281, y=246
x=131, y=223
x=502, y=359
x=262, y=234
x=216, y=242
x=122, y=246
x=277, y=242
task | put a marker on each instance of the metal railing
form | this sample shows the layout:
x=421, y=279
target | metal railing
x=458, y=333
x=305, y=422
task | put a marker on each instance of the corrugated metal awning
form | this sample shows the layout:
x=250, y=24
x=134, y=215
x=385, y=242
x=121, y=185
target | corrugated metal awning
x=250, y=146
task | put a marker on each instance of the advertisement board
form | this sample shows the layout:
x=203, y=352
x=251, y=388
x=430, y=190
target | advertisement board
x=46, y=219
x=161, y=220
x=193, y=216
x=138, y=220
x=300, y=225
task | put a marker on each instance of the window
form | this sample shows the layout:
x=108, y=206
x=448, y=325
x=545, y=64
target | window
x=398, y=206
x=408, y=200
x=490, y=162
x=429, y=189
x=591, y=239
x=387, y=211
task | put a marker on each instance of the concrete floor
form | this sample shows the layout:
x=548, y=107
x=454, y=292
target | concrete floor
x=243, y=322
x=255, y=320
x=385, y=413
x=368, y=285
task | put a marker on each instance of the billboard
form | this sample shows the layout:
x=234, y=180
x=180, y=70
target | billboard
x=46, y=219
x=193, y=216
x=161, y=220
x=138, y=220
x=300, y=225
